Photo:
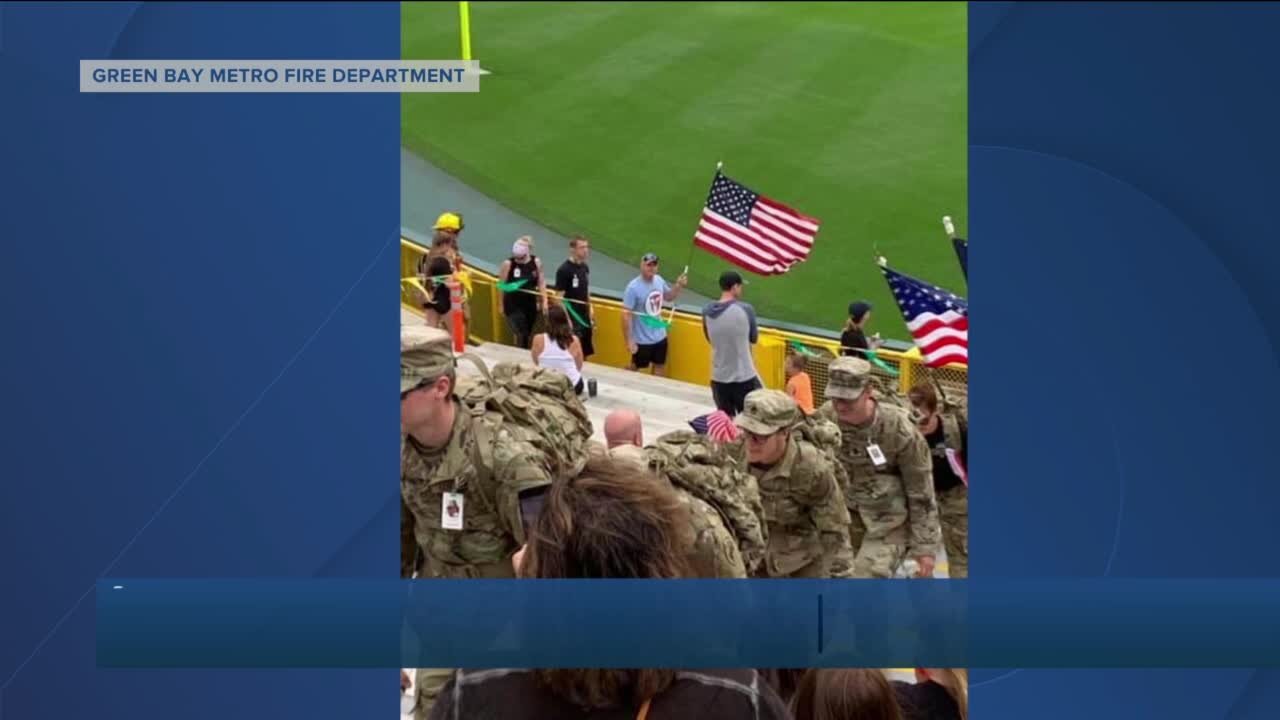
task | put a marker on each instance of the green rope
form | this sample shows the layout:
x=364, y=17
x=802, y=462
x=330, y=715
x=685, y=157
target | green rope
x=654, y=322
x=803, y=349
x=875, y=360
x=574, y=313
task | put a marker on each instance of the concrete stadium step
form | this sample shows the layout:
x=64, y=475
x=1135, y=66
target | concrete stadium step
x=664, y=404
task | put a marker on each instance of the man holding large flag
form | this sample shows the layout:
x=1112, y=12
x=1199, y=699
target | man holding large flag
x=752, y=231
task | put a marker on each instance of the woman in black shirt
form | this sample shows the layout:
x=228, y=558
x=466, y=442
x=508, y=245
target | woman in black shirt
x=521, y=306
x=438, y=302
x=853, y=341
x=947, y=431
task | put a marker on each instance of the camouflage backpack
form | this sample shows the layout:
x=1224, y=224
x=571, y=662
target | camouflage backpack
x=534, y=404
x=711, y=473
x=955, y=421
x=826, y=436
x=886, y=392
x=823, y=434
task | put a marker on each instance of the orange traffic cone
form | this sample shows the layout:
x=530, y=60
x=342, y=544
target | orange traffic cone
x=459, y=322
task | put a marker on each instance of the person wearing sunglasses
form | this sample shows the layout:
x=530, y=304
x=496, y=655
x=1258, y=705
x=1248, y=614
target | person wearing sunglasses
x=804, y=509
x=642, y=324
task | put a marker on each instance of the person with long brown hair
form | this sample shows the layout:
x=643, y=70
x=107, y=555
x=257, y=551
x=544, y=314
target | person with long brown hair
x=845, y=694
x=614, y=520
x=945, y=430
x=559, y=348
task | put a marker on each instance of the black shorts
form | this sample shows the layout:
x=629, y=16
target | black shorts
x=521, y=322
x=731, y=397
x=645, y=354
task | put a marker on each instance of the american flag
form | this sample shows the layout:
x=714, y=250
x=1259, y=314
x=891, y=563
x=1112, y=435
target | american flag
x=717, y=426
x=938, y=319
x=752, y=231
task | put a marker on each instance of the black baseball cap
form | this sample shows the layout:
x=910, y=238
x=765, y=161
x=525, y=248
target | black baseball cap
x=728, y=279
x=858, y=309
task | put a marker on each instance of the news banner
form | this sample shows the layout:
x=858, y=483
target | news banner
x=279, y=76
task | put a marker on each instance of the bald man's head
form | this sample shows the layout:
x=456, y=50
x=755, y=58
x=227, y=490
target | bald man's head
x=623, y=427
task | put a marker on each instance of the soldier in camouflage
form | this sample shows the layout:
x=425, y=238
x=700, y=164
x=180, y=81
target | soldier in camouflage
x=715, y=552
x=806, y=520
x=467, y=521
x=890, y=476
x=457, y=520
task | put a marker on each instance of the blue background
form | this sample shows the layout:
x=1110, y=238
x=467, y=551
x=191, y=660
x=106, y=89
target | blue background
x=1121, y=180
x=198, y=299
x=199, y=360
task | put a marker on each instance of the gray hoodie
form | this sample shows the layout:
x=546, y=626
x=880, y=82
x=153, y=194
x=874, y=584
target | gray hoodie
x=731, y=329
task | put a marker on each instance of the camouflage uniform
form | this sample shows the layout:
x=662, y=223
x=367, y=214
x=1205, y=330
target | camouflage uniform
x=804, y=510
x=714, y=553
x=492, y=527
x=893, y=507
x=953, y=504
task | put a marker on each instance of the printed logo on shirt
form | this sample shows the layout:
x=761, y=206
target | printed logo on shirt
x=653, y=303
x=575, y=282
x=515, y=272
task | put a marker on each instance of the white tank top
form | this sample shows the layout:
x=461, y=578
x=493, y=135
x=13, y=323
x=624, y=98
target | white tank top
x=557, y=358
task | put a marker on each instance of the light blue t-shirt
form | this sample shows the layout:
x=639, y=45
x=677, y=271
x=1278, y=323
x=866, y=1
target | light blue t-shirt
x=645, y=298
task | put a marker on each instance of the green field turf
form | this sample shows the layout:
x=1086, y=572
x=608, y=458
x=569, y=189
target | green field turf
x=608, y=119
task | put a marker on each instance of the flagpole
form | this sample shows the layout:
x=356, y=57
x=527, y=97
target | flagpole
x=689, y=259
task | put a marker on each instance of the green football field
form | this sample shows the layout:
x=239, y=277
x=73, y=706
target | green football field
x=608, y=119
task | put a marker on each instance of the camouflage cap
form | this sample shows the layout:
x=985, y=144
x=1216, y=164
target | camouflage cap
x=847, y=377
x=766, y=412
x=425, y=354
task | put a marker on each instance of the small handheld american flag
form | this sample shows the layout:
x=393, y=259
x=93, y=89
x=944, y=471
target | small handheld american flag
x=938, y=319
x=752, y=231
x=716, y=426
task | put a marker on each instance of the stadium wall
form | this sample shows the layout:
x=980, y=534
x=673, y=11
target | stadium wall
x=689, y=358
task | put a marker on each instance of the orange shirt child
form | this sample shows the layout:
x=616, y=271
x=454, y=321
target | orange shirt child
x=801, y=389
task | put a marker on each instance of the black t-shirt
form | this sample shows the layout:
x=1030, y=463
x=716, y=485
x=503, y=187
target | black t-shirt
x=440, y=300
x=944, y=478
x=522, y=300
x=573, y=280
x=853, y=338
